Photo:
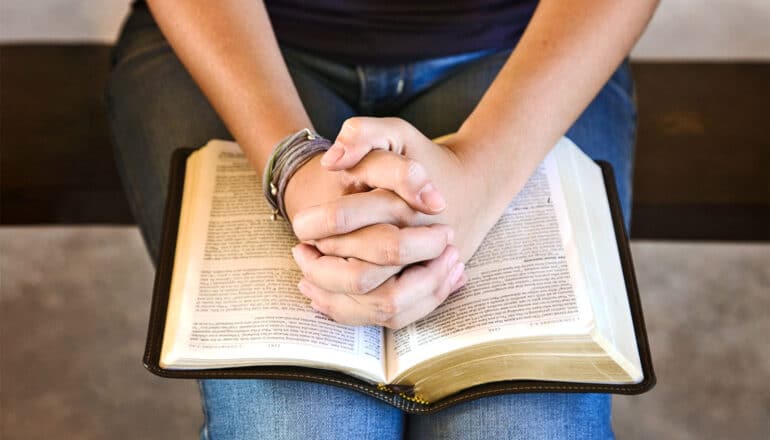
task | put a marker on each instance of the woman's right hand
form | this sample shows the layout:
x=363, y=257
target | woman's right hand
x=311, y=185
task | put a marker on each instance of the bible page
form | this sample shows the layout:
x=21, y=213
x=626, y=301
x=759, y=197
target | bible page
x=524, y=281
x=595, y=236
x=241, y=305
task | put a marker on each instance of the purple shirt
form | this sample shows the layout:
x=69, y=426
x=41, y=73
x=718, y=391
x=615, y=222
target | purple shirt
x=398, y=31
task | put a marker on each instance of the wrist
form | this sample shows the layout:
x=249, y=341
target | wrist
x=258, y=147
x=499, y=167
x=311, y=185
x=287, y=157
x=482, y=185
x=295, y=193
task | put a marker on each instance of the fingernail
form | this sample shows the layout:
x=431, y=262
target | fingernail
x=453, y=257
x=333, y=155
x=304, y=288
x=450, y=236
x=461, y=282
x=431, y=198
x=295, y=252
x=455, y=273
x=317, y=307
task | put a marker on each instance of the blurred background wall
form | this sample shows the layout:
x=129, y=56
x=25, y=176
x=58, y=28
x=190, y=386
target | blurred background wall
x=681, y=29
x=75, y=279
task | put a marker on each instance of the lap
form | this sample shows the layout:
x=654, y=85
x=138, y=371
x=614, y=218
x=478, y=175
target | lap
x=283, y=410
x=535, y=416
x=155, y=107
x=254, y=409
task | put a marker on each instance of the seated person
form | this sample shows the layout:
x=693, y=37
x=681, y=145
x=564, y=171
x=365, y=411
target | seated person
x=380, y=80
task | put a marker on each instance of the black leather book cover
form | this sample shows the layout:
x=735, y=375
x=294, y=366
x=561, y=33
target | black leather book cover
x=163, y=283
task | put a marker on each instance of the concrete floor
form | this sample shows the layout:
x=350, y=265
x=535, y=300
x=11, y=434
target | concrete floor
x=75, y=301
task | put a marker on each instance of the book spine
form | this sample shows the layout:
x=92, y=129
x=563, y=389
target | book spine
x=405, y=392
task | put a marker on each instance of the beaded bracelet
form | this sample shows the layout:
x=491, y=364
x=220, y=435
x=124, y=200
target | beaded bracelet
x=288, y=155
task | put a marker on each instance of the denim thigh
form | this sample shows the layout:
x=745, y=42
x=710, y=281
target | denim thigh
x=605, y=130
x=155, y=107
x=529, y=416
x=283, y=410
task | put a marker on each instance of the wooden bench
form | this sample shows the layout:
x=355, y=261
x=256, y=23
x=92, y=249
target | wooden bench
x=702, y=170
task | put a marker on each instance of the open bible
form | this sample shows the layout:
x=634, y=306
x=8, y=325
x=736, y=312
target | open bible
x=550, y=303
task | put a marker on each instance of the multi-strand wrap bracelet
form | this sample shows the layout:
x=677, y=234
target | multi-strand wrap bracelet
x=288, y=155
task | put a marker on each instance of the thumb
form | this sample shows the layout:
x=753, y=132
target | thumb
x=361, y=134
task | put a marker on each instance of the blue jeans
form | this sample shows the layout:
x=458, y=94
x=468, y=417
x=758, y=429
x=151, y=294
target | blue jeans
x=155, y=107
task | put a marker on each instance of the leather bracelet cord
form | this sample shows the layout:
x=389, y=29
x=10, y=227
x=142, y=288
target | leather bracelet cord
x=288, y=155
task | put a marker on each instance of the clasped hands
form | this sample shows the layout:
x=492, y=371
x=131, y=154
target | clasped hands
x=386, y=219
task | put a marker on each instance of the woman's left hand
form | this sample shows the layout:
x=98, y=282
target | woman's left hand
x=366, y=142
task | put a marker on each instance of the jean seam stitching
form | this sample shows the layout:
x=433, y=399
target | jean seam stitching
x=131, y=192
x=205, y=428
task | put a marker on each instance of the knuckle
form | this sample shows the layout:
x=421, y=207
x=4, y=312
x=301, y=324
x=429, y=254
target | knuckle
x=323, y=307
x=330, y=218
x=336, y=219
x=310, y=275
x=398, y=210
x=403, y=213
x=353, y=284
x=441, y=290
x=412, y=171
x=347, y=124
x=384, y=311
x=387, y=309
x=298, y=225
x=440, y=294
x=394, y=251
x=351, y=127
x=396, y=323
x=350, y=182
x=439, y=235
x=327, y=246
x=392, y=120
x=390, y=324
x=331, y=313
x=377, y=318
x=357, y=282
x=397, y=123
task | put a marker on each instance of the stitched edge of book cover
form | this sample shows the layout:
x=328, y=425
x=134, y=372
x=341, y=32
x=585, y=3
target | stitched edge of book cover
x=162, y=285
